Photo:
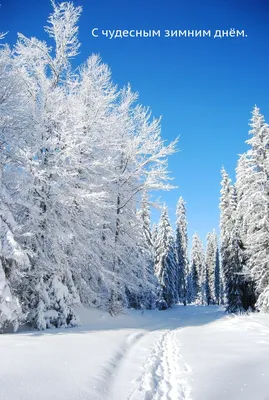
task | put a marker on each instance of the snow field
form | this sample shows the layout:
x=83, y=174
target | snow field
x=185, y=353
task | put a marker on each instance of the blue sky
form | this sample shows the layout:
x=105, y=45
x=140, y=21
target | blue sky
x=204, y=88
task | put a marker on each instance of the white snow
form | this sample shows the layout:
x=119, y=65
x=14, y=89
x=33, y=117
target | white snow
x=185, y=353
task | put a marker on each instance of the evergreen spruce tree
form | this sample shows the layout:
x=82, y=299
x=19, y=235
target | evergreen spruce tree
x=231, y=264
x=213, y=268
x=222, y=298
x=165, y=260
x=244, y=183
x=196, y=268
x=217, y=287
x=151, y=295
x=209, y=276
x=257, y=219
x=184, y=278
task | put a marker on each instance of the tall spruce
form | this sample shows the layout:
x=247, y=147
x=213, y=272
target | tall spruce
x=181, y=245
x=196, y=268
x=165, y=260
x=244, y=184
x=151, y=293
x=213, y=269
x=217, y=271
x=231, y=263
x=257, y=210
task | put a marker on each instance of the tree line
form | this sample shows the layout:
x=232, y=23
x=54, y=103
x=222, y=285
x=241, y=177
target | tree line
x=239, y=278
x=188, y=280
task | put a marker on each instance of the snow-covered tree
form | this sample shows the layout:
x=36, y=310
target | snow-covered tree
x=9, y=306
x=181, y=244
x=230, y=256
x=253, y=208
x=197, y=266
x=244, y=184
x=165, y=260
x=152, y=292
x=76, y=154
x=217, y=287
x=47, y=191
x=154, y=233
x=213, y=269
x=144, y=214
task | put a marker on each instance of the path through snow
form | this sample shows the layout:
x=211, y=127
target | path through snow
x=186, y=353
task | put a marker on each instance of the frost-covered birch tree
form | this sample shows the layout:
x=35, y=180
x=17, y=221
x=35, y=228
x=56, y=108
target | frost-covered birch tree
x=76, y=154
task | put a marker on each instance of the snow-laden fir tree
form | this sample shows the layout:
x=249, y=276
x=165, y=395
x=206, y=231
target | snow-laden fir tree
x=230, y=254
x=208, y=273
x=217, y=286
x=212, y=283
x=197, y=265
x=150, y=292
x=222, y=297
x=165, y=260
x=256, y=207
x=244, y=183
x=181, y=245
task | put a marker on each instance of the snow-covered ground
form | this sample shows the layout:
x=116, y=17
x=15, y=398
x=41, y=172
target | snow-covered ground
x=183, y=353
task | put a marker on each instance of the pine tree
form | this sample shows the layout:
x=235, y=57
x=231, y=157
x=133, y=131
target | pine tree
x=196, y=268
x=165, y=260
x=205, y=288
x=231, y=264
x=213, y=269
x=209, y=273
x=152, y=289
x=244, y=183
x=183, y=279
x=217, y=271
x=222, y=297
x=257, y=215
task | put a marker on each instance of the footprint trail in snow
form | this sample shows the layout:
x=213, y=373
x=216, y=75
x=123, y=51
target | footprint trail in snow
x=165, y=374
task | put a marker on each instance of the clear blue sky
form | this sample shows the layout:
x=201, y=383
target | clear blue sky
x=204, y=88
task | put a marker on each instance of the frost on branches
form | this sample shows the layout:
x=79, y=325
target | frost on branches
x=76, y=154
